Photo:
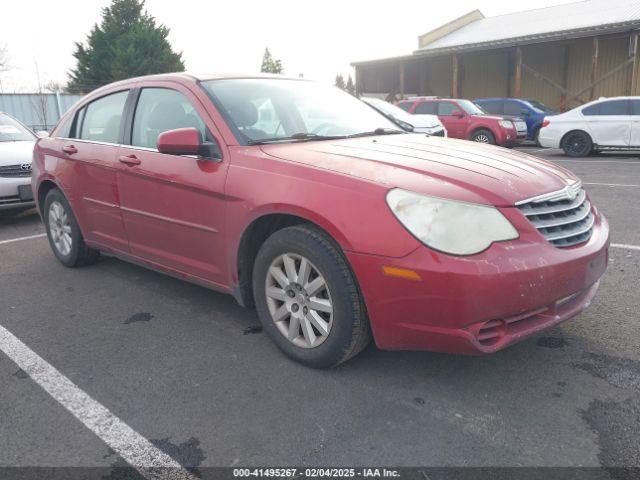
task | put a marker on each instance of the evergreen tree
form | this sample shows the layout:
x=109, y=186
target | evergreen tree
x=127, y=43
x=350, y=87
x=270, y=64
x=340, y=81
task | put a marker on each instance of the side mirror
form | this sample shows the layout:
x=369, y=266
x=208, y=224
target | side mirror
x=457, y=114
x=42, y=134
x=186, y=141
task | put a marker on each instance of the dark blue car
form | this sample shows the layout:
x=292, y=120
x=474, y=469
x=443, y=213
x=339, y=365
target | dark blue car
x=532, y=111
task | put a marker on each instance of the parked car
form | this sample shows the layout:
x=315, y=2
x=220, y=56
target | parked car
x=429, y=124
x=338, y=232
x=532, y=111
x=464, y=119
x=16, y=153
x=604, y=124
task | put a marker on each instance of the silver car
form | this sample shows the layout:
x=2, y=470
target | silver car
x=429, y=124
x=16, y=152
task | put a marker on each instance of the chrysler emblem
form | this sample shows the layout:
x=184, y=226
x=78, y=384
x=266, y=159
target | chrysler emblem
x=25, y=167
x=571, y=193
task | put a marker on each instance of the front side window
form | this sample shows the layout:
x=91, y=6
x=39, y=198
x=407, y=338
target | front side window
x=262, y=110
x=100, y=120
x=470, y=107
x=159, y=110
x=447, y=108
x=427, y=108
x=13, y=131
x=635, y=107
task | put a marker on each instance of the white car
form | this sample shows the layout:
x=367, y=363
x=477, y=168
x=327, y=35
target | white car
x=604, y=124
x=16, y=153
x=429, y=124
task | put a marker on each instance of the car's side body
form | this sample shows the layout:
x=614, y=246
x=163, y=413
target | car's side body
x=15, y=164
x=462, y=125
x=519, y=107
x=204, y=219
x=610, y=123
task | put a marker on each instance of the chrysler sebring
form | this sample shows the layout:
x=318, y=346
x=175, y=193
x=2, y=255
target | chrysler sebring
x=307, y=204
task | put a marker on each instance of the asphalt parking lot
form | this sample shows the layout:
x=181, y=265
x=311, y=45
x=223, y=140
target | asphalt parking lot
x=190, y=371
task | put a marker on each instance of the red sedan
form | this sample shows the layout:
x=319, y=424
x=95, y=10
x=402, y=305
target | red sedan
x=304, y=202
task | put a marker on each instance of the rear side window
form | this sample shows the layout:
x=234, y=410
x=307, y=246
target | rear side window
x=426, y=108
x=614, y=107
x=447, y=108
x=159, y=110
x=494, y=108
x=513, y=108
x=406, y=106
x=100, y=120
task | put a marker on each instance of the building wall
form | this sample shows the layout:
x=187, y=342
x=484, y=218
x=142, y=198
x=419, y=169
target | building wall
x=37, y=111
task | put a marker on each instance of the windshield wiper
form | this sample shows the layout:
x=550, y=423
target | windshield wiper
x=377, y=131
x=301, y=136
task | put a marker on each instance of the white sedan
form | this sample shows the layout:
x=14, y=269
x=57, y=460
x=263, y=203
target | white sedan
x=604, y=124
x=16, y=152
x=429, y=124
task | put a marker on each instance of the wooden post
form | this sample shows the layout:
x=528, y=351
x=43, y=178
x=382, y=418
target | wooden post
x=563, y=107
x=594, y=66
x=517, y=88
x=634, y=64
x=455, y=67
x=358, y=75
x=401, y=80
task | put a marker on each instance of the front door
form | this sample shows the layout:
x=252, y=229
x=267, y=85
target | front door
x=454, y=119
x=172, y=205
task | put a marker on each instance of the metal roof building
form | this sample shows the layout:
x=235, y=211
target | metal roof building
x=562, y=55
x=39, y=111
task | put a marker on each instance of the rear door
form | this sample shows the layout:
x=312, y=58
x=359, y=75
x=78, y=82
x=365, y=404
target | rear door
x=494, y=107
x=91, y=157
x=609, y=122
x=173, y=206
x=635, y=123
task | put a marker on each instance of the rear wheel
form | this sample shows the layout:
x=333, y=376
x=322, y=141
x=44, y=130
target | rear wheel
x=483, y=136
x=64, y=234
x=577, y=144
x=307, y=298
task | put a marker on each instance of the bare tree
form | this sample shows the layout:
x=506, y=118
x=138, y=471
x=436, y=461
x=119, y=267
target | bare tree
x=4, y=59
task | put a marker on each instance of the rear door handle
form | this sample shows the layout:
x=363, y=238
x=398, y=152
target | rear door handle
x=69, y=149
x=130, y=160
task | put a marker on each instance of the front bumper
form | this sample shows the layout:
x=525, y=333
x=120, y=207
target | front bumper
x=481, y=303
x=11, y=196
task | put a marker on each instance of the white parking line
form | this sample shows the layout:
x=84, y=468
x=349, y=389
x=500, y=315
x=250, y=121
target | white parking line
x=586, y=162
x=2, y=242
x=136, y=450
x=625, y=246
x=612, y=184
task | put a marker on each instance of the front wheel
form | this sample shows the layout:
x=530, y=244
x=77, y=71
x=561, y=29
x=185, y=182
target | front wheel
x=307, y=298
x=64, y=234
x=483, y=136
x=577, y=144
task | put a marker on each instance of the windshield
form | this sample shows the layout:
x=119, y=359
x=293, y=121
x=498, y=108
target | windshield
x=470, y=107
x=262, y=110
x=539, y=106
x=12, y=131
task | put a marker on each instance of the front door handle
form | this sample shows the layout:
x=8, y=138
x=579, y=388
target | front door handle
x=130, y=160
x=69, y=149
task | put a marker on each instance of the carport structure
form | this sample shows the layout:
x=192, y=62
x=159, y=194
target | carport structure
x=563, y=56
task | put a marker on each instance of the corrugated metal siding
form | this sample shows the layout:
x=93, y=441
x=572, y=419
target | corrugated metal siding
x=485, y=74
x=549, y=61
x=39, y=112
x=612, y=53
x=436, y=77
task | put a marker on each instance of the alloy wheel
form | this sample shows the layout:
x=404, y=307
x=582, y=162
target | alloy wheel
x=299, y=300
x=576, y=144
x=481, y=138
x=60, y=228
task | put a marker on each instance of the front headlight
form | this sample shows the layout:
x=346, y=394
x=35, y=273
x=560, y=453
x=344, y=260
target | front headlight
x=458, y=228
x=506, y=123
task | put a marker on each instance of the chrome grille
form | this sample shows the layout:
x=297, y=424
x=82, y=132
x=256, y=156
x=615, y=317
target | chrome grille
x=23, y=170
x=564, y=218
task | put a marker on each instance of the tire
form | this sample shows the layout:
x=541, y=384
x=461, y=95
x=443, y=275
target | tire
x=63, y=232
x=577, y=144
x=346, y=327
x=483, y=136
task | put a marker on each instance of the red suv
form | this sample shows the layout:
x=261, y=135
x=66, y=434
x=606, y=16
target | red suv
x=464, y=119
x=303, y=201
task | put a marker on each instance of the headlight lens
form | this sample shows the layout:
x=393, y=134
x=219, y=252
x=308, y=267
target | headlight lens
x=458, y=228
x=506, y=123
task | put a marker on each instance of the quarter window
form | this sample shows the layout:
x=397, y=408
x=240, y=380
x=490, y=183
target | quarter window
x=100, y=120
x=426, y=108
x=159, y=110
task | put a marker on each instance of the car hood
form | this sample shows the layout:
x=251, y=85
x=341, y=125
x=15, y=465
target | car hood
x=16, y=153
x=423, y=121
x=448, y=168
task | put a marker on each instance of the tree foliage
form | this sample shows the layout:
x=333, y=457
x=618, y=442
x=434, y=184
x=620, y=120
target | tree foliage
x=126, y=43
x=340, y=81
x=270, y=64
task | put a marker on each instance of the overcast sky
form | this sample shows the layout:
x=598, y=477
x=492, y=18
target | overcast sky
x=318, y=39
